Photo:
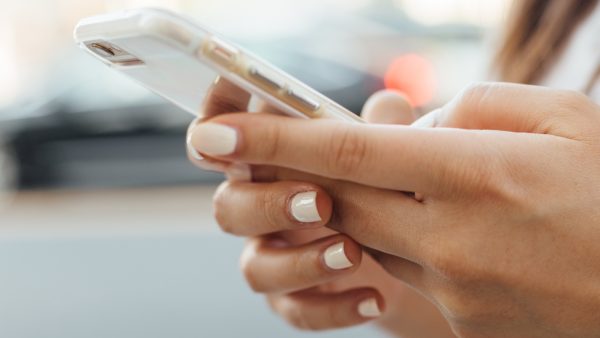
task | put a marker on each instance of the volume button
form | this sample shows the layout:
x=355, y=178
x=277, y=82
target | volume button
x=221, y=52
x=262, y=79
x=303, y=101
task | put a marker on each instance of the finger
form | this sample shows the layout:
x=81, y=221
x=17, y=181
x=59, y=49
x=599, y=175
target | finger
x=357, y=212
x=264, y=107
x=252, y=209
x=429, y=120
x=235, y=172
x=388, y=107
x=309, y=310
x=224, y=97
x=270, y=266
x=393, y=157
x=407, y=271
x=515, y=107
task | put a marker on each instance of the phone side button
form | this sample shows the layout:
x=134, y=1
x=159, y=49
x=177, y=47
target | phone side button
x=303, y=101
x=263, y=80
x=220, y=52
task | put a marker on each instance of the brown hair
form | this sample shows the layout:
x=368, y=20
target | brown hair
x=536, y=33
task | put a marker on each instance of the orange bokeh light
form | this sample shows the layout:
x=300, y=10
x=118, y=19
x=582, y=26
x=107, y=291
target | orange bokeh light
x=414, y=76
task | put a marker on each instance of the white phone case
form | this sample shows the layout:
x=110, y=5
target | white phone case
x=179, y=60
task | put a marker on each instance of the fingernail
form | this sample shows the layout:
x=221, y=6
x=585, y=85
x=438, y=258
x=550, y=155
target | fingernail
x=368, y=308
x=214, y=139
x=335, y=257
x=239, y=172
x=191, y=150
x=304, y=207
x=212, y=166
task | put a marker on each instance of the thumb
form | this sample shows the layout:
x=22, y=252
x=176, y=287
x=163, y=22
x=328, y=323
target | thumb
x=515, y=108
x=388, y=107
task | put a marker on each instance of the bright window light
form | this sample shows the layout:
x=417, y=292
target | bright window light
x=9, y=80
x=268, y=19
x=434, y=12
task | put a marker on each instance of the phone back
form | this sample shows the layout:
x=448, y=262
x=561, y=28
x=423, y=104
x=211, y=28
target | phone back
x=167, y=64
x=179, y=60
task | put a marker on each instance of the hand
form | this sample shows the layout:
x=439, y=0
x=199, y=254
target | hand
x=505, y=239
x=289, y=265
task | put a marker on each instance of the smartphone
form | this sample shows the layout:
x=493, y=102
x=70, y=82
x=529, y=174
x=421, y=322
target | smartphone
x=179, y=60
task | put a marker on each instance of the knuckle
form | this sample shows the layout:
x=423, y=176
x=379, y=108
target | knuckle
x=222, y=220
x=273, y=142
x=474, y=93
x=270, y=203
x=477, y=173
x=247, y=269
x=251, y=280
x=571, y=99
x=460, y=266
x=302, y=269
x=220, y=212
x=224, y=223
x=468, y=102
x=491, y=176
x=464, y=309
x=509, y=187
x=346, y=151
x=294, y=314
x=457, y=307
x=223, y=102
x=570, y=103
x=449, y=261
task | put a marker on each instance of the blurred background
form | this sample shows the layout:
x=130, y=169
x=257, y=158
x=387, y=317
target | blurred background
x=105, y=229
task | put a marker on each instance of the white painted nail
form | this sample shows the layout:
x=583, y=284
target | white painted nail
x=335, y=257
x=191, y=150
x=368, y=308
x=304, y=207
x=239, y=172
x=214, y=139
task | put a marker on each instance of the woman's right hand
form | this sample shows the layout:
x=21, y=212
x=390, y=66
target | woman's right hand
x=312, y=276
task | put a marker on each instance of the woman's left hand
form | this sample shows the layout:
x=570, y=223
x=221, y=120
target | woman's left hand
x=504, y=238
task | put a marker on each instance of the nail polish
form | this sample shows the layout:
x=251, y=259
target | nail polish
x=214, y=139
x=335, y=257
x=304, y=207
x=191, y=150
x=368, y=308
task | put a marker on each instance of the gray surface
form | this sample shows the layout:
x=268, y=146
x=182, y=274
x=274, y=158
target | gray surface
x=177, y=285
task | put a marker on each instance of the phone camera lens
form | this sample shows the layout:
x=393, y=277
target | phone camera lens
x=102, y=50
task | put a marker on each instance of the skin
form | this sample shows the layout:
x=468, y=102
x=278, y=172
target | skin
x=277, y=242
x=503, y=236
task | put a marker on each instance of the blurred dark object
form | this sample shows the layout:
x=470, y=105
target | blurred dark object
x=88, y=126
x=87, y=134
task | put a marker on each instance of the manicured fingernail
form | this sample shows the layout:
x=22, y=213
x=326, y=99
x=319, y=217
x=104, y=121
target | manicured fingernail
x=212, y=166
x=239, y=172
x=191, y=150
x=368, y=308
x=214, y=139
x=335, y=257
x=304, y=207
